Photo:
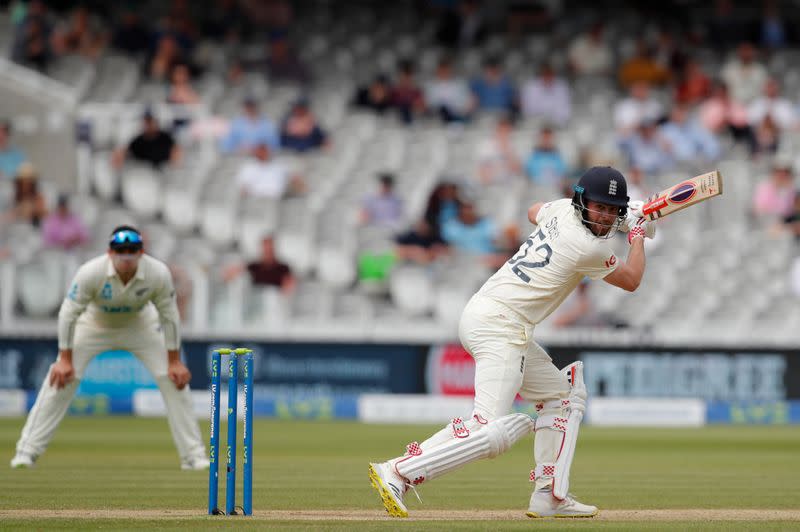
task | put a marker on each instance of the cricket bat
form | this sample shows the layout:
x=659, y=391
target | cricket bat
x=682, y=195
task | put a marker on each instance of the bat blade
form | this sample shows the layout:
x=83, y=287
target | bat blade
x=682, y=195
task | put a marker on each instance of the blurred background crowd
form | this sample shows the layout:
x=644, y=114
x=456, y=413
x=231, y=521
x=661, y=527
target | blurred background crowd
x=362, y=165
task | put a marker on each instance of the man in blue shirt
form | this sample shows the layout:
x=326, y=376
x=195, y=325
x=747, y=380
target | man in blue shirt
x=469, y=232
x=688, y=140
x=10, y=156
x=250, y=130
x=493, y=90
x=545, y=166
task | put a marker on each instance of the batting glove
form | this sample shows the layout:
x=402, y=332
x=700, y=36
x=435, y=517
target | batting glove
x=635, y=208
x=642, y=228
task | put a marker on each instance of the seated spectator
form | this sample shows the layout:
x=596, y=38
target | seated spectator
x=282, y=63
x=494, y=90
x=743, y=75
x=720, y=113
x=300, y=130
x=773, y=27
x=589, y=54
x=130, y=35
x=766, y=138
x=497, y=160
x=687, y=139
x=376, y=96
x=63, y=229
x=32, y=38
x=449, y=96
x=80, y=35
x=642, y=67
x=152, y=145
x=442, y=206
x=406, y=94
x=384, y=209
x=263, y=177
x=774, y=197
x=165, y=57
x=694, y=86
x=249, y=130
x=29, y=205
x=547, y=97
x=11, y=157
x=781, y=110
x=647, y=149
x=470, y=232
x=545, y=166
x=462, y=27
x=266, y=271
x=422, y=244
x=181, y=91
x=639, y=106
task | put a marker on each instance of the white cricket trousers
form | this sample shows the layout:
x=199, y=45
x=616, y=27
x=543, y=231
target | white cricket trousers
x=146, y=342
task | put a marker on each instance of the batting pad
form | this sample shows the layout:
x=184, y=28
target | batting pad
x=472, y=440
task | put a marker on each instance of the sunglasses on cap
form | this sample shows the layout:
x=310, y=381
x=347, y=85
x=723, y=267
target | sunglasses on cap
x=126, y=240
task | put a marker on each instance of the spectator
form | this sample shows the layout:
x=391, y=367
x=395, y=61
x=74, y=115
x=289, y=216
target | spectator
x=376, y=96
x=181, y=91
x=166, y=56
x=766, y=138
x=462, y=27
x=589, y=54
x=130, y=35
x=29, y=205
x=422, y=244
x=300, y=130
x=267, y=271
x=152, y=145
x=32, y=37
x=384, y=209
x=11, y=157
x=442, y=206
x=494, y=91
x=449, y=96
x=774, y=197
x=497, y=160
x=81, y=35
x=250, y=130
x=638, y=107
x=283, y=64
x=647, y=149
x=642, y=67
x=694, y=86
x=720, y=112
x=545, y=166
x=406, y=94
x=780, y=109
x=63, y=229
x=688, y=140
x=263, y=177
x=773, y=26
x=743, y=75
x=547, y=97
x=470, y=233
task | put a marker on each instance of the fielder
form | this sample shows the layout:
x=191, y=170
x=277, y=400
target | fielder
x=496, y=328
x=121, y=300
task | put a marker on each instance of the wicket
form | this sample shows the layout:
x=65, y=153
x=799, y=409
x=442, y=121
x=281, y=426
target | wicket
x=233, y=392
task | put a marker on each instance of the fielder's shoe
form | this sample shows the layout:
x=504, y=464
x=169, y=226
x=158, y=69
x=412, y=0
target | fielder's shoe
x=21, y=460
x=543, y=504
x=197, y=463
x=390, y=487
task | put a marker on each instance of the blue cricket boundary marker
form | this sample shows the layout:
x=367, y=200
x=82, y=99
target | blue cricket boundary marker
x=233, y=397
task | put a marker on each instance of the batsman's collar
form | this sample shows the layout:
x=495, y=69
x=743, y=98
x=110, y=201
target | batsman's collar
x=111, y=272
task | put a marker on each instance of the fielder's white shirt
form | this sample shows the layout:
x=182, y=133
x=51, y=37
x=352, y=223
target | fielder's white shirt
x=97, y=291
x=550, y=264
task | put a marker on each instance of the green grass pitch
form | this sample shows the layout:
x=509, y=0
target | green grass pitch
x=123, y=473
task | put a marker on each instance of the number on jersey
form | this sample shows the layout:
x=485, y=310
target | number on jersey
x=542, y=251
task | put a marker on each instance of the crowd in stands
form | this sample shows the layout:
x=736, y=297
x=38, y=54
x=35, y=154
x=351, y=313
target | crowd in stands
x=704, y=114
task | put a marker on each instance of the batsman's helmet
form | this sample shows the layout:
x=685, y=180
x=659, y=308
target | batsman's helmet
x=602, y=184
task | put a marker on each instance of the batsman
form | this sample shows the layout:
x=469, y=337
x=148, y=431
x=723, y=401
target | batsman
x=123, y=299
x=571, y=241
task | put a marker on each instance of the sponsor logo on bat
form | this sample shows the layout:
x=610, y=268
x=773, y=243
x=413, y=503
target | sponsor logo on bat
x=683, y=192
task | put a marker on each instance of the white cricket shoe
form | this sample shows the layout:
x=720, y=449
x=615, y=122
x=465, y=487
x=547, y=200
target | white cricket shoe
x=21, y=460
x=196, y=463
x=390, y=487
x=543, y=504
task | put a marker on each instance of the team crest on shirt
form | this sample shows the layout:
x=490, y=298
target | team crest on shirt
x=106, y=293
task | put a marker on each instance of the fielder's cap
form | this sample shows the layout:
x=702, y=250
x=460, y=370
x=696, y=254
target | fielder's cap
x=125, y=238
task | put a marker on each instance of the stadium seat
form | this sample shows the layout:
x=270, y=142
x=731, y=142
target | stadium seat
x=105, y=180
x=142, y=191
x=336, y=267
x=412, y=290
